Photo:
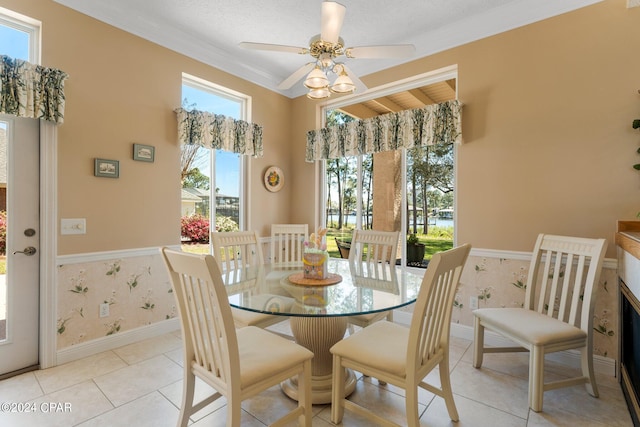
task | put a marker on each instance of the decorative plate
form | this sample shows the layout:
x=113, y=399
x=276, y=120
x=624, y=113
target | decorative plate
x=273, y=179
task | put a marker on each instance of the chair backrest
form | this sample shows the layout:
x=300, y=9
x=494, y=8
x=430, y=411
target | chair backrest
x=562, y=278
x=431, y=319
x=236, y=249
x=380, y=276
x=374, y=246
x=208, y=330
x=287, y=244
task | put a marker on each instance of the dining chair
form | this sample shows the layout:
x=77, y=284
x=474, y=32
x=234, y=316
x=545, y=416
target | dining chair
x=238, y=364
x=287, y=244
x=404, y=356
x=371, y=247
x=233, y=251
x=557, y=314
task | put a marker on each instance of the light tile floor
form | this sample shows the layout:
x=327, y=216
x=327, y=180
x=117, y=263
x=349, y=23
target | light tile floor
x=140, y=384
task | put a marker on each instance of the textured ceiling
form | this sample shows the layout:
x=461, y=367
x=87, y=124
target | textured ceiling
x=210, y=30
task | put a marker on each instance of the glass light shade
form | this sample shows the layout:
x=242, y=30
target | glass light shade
x=316, y=79
x=343, y=84
x=319, y=93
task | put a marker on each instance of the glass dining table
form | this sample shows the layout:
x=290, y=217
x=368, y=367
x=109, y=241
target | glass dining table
x=319, y=312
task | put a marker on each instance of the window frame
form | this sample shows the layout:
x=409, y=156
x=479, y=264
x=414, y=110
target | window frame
x=446, y=73
x=32, y=27
x=245, y=114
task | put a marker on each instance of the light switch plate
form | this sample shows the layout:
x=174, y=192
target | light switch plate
x=633, y=3
x=73, y=226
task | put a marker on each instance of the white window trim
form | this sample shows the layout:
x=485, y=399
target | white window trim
x=245, y=165
x=446, y=73
x=32, y=27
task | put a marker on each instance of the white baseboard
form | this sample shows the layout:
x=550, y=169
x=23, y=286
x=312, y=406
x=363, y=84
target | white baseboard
x=111, y=342
x=571, y=358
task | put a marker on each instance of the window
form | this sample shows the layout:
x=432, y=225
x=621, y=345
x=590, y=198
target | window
x=19, y=36
x=410, y=190
x=211, y=174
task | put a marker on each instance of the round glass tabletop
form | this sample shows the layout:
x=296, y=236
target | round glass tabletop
x=361, y=288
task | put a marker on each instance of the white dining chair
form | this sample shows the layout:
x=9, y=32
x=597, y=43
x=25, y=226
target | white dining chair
x=233, y=251
x=238, y=364
x=557, y=313
x=287, y=244
x=404, y=356
x=369, y=248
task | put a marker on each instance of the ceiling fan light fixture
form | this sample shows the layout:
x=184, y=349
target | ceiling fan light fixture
x=343, y=84
x=316, y=79
x=319, y=93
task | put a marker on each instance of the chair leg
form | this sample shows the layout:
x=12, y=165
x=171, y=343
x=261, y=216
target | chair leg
x=234, y=410
x=337, y=391
x=411, y=404
x=478, y=343
x=447, y=391
x=536, y=378
x=304, y=396
x=188, y=388
x=586, y=356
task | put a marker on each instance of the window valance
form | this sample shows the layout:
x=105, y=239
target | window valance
x=32, y=91
x=219, y=132
x=433, y=124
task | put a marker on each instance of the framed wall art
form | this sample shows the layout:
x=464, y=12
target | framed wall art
x=144, y=153
x=273, y=179
x=106, y=168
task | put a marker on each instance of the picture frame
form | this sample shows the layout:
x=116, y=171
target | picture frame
x=144, y=153
x=273, y=179
x=106, y=168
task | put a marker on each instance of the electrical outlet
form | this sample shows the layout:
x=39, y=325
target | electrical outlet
x=104, y=310
x=473, y=302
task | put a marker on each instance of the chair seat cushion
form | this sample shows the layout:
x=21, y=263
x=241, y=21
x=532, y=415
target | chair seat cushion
x=249, y=318
x=263, y=353
x=529, y=326
x=274, y=303
x=382, y=346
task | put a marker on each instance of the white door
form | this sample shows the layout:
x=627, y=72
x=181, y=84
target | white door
x=19, y=283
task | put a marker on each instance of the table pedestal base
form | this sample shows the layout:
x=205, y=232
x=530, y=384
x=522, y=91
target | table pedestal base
x=320, y=387
x=319, y=334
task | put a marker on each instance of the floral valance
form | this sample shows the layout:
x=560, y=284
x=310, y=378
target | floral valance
x=219, y=132
x=433, y=124
x=32, y=91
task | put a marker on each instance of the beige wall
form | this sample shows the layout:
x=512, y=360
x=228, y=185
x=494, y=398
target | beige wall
x=547, y=128
x=123, y=89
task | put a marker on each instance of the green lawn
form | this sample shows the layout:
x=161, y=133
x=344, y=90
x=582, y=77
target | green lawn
x=432, y=244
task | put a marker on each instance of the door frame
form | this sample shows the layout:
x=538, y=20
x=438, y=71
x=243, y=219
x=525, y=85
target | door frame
x=48, y=243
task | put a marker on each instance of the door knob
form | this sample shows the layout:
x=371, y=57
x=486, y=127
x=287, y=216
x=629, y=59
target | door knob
x=29, y=250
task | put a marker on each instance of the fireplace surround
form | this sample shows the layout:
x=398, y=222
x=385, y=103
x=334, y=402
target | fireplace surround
x=628, y=247
x=630, y=350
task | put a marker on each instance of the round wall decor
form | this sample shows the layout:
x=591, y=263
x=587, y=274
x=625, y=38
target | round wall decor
x=273, y=178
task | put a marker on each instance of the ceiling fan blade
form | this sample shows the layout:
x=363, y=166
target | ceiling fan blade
x=297, y=75
x=360, y=86
x=274, y=47
x=331, y=23
x=390, y=51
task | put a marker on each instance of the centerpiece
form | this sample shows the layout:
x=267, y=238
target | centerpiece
x=316, y=257
x=315, y=271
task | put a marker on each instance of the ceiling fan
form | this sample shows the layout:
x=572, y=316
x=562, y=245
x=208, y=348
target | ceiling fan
x=325, y=49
